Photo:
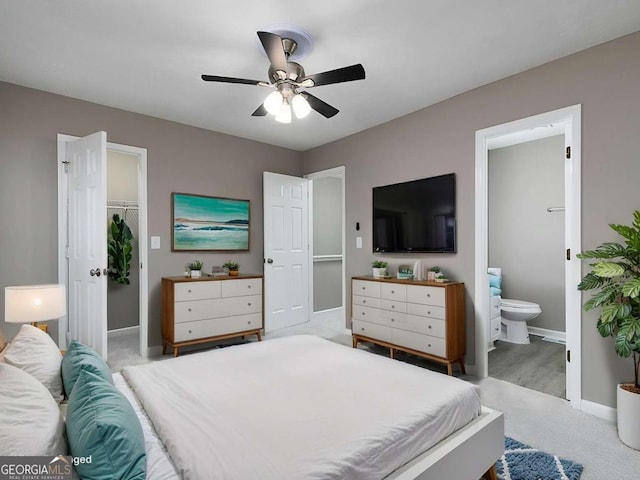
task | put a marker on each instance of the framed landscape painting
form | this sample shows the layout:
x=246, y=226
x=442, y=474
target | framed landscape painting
x=202, y=223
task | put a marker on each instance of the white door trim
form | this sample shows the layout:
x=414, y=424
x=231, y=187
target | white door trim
x=570, y=117
x=63, y=275
x=331, y=172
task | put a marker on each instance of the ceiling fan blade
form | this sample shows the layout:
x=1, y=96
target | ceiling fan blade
x=272, y=44
x=319, y=106
x=339, y=75
x=260, y=111
x=244, y=81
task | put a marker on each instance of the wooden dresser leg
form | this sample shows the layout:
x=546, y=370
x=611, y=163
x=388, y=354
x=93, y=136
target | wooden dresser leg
x=259, y=335
x=491, y=474
x=164, y=347
x=391, y=353
x=354, y=342
x=462, y=366
x=175, y=351
x=449, y=369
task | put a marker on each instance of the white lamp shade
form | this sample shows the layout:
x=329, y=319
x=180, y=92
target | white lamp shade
x=34, y=303
x=284, y=114
x=300, y=106
x=273, y=102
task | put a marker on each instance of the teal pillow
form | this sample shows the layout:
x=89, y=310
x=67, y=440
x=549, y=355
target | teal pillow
x=80, y=357
x=103, y=429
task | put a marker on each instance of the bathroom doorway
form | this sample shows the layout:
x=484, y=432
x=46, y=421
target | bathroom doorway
x=568, y=120
x=526, y=255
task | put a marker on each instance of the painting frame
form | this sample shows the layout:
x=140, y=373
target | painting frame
x=203, y=223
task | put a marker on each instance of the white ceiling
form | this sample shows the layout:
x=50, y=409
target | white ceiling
x=147, y=56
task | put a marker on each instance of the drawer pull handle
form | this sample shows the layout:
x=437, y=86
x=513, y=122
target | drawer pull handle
x=393, y=291
x=189, y=331
x=188, y=309
x=429, y=326
x=364, y=288
x=249, y=303
x=428, y=344
x=393, y=319
x=393, y=306
x=429, y=312
x=249, y=286
x=362, y=329
x=189, y=290
x=364, y=301
x=429, y=295
x=249, y=322
x=362, y=313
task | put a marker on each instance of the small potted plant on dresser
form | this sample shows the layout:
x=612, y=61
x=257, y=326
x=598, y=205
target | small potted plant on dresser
x=379, y=268
x=615, y=273
x=195, y=268
x=232, y=268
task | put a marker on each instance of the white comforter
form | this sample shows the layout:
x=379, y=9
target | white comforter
x=297, y=408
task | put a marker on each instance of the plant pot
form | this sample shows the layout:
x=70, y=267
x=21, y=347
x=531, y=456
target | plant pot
x=234, y=273
x=379, y=272
x=196, y=273
x=629, y=417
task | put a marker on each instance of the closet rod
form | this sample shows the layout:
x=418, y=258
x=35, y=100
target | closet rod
x=555, y=209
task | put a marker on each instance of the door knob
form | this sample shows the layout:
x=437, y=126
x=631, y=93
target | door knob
x=269, y=260
x=95, y=272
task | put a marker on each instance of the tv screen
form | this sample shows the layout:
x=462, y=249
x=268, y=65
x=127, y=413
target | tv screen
x=416, y=216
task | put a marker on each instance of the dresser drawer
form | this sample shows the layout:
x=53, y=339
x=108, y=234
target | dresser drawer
x=216, y=326
x=366, y=289
x=393, y=306
x=238, y=288
x=393, y=291
x=366, y=301
x=216, y=308
x=371, y=330
x=423, y=343
x=425, y=295
x=392, y=319
x=429, y=326
x=185, y=291
x=431, y=311
x=366, y=313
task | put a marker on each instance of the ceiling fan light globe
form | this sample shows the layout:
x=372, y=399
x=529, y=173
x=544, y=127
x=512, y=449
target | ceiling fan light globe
x=300, y=106
x=273, y=102
x=284, y=114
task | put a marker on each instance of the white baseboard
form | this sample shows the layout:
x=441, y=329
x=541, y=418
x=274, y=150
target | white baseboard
x=544, y=332
x=331, y=314
x=119, y=332
x=601, y=411
x=154, y=351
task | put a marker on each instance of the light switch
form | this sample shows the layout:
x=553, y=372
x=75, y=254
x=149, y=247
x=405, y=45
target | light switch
x=358, y=242
x=155, y=243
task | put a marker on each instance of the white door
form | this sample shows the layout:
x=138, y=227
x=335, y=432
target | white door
x=87, y=177
x=286, y=250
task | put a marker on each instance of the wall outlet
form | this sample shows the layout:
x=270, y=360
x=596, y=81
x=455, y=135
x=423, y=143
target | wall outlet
x=358, y=242
x=155, y=243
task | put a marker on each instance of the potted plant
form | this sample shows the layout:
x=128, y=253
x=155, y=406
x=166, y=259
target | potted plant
x=232, y=268
x=379, y=268
x=615, y=274
x=195, y=268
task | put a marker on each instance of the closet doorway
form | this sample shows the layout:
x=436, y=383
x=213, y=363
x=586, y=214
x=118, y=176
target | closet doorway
x=132, y=298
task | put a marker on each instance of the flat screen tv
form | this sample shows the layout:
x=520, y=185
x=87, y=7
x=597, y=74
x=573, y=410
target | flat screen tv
x=416, y=216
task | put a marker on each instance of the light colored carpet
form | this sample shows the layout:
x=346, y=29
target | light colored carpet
x=537, y=419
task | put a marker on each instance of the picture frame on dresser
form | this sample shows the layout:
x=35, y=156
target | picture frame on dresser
x=201, y=223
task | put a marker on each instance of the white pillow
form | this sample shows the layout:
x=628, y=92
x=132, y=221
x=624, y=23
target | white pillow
x=30, y=420
x=33, y=351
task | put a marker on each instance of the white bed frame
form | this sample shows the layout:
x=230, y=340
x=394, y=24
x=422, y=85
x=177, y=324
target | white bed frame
x=467, y=454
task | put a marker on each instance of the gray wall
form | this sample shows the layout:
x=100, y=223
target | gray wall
x=525, y=240
x=327, y=240
x=123, y=301
x=179, y=159
x=441, y=139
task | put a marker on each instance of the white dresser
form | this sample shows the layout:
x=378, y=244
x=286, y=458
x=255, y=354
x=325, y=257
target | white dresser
x=198, y=310
x=418, y=317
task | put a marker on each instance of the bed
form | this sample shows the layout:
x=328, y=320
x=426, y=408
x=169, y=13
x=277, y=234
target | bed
x=302, y=407
x=298, y=407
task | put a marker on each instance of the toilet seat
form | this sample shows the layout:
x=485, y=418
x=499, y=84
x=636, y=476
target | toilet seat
x=511, y=303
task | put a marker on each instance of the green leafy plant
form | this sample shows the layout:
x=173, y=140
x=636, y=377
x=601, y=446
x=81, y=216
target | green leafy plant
x=615, y=274
x=119, y=250
x=379, y=264
x=195, y=265
x=231, y=266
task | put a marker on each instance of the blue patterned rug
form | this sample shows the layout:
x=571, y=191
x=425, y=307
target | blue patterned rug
x=522, y=462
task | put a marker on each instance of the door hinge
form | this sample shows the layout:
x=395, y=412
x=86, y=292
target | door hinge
x=568, y=254
x=569, y=356
x=66, y=252
x=66, y=166
x=568, y=152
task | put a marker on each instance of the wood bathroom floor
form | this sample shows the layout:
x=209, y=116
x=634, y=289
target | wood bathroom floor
x=539, y=366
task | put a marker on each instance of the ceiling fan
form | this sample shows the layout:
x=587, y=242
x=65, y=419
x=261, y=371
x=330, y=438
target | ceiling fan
x=290, y=82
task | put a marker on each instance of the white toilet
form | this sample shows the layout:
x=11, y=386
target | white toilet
x=514, y=315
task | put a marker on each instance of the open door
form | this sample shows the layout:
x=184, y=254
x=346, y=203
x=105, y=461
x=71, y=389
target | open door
x=85, y=162
x=286, y=250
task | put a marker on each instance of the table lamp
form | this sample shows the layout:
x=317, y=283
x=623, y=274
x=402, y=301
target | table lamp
x=34, y=303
